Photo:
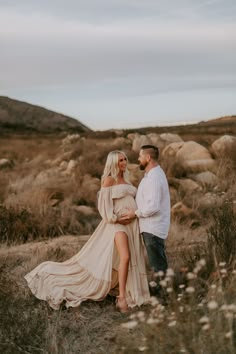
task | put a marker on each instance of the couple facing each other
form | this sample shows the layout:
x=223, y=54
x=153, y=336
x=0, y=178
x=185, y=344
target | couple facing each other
x=114, y=254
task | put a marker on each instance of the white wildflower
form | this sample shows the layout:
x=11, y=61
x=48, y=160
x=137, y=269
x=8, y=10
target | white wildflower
x=168, y=279
x=190, y=290
x=191, y=276
x=161, y=307
x=197, y=269
x=206, y=327
x=222, y=264
x=181, y=309
x=172, y=324
x=202, y=262
x=129, y=325
x=232, y=307
x=153, y=284
x=163, y=283
x=228, y=335
x=181, y=286
x=153, y=321
x=170, y=272
x=169, y=290
x=141, y=316
x=224, y=307
x=204, y=319
x=212, y=305
x=132, y=316
x=142, y=349
x=159, y=274
x=213, y=286
x=223, y=271
x=229, y=315
x=154, y=301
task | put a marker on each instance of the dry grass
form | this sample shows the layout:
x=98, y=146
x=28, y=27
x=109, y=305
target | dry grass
x=39, y=202
x=198, y=317
x=26, y=147
x=30, y=326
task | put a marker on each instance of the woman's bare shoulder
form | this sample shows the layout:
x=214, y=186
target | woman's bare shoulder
x=108, y=181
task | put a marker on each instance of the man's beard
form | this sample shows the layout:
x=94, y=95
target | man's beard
x=142, y=166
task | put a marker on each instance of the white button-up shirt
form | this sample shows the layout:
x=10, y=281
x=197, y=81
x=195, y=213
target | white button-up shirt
x=153, y=201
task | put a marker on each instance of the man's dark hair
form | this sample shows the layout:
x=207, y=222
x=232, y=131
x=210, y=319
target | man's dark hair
x=152, y=150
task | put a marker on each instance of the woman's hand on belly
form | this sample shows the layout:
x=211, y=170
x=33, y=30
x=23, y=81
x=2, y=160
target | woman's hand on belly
x=127, y=217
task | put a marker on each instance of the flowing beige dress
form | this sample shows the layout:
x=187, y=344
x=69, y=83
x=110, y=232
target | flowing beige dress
x=92, y=272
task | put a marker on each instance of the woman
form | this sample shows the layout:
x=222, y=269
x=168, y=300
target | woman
x=113, y=255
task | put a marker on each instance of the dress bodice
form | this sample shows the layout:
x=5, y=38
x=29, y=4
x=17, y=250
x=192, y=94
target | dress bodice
x=122, y=190
x=113, y=200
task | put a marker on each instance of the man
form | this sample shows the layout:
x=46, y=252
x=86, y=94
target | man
x=153, y=202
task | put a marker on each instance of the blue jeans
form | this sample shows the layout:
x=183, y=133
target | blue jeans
x=155, y=247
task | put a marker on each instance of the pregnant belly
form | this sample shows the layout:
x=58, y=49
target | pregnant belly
x=121, y=205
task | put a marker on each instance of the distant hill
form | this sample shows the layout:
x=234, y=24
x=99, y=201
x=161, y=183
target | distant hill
x=204, y=132
x=222, y=120
x=17, y=116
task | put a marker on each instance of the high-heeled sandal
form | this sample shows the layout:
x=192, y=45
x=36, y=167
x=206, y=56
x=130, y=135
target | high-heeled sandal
x=121, y=304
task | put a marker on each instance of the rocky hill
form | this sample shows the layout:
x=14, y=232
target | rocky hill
x=17, y=116
x=204, y=132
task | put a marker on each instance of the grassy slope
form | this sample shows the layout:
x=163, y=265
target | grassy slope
x=29, y=326
x=17, y=116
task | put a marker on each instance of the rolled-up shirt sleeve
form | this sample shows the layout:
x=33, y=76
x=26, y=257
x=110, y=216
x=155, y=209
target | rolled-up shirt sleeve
x=151, y=196
x=105, y=205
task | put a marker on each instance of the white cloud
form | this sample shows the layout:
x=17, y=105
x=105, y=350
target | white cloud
x=47, y=51
x=115, y=49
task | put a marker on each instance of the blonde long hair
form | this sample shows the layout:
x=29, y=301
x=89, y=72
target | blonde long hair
x=111, y=167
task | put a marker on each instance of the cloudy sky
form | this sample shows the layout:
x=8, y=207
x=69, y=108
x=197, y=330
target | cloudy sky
x=121, y=63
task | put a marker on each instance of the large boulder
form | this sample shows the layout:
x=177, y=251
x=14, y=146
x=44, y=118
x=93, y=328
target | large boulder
x=70, y=139
x=171, y=150
x=140, y=140
x=156, y=140
x=63, y=165
x=6, y=163
x=209, y=202
x=188, y=186
x=174, y=196
x=169, y=138
x=71, y=167
x=163, y=139
x=85, y=210
x=205, y=179
x=120, y=142
x=223, y=145
x=132, y=136
x=184, y=214
x=190, y=155
x=135, y=174
x=195, y=166
x=191, y=150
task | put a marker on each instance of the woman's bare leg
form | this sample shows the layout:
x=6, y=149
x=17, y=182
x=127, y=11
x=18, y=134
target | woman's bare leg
x=122, y=245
